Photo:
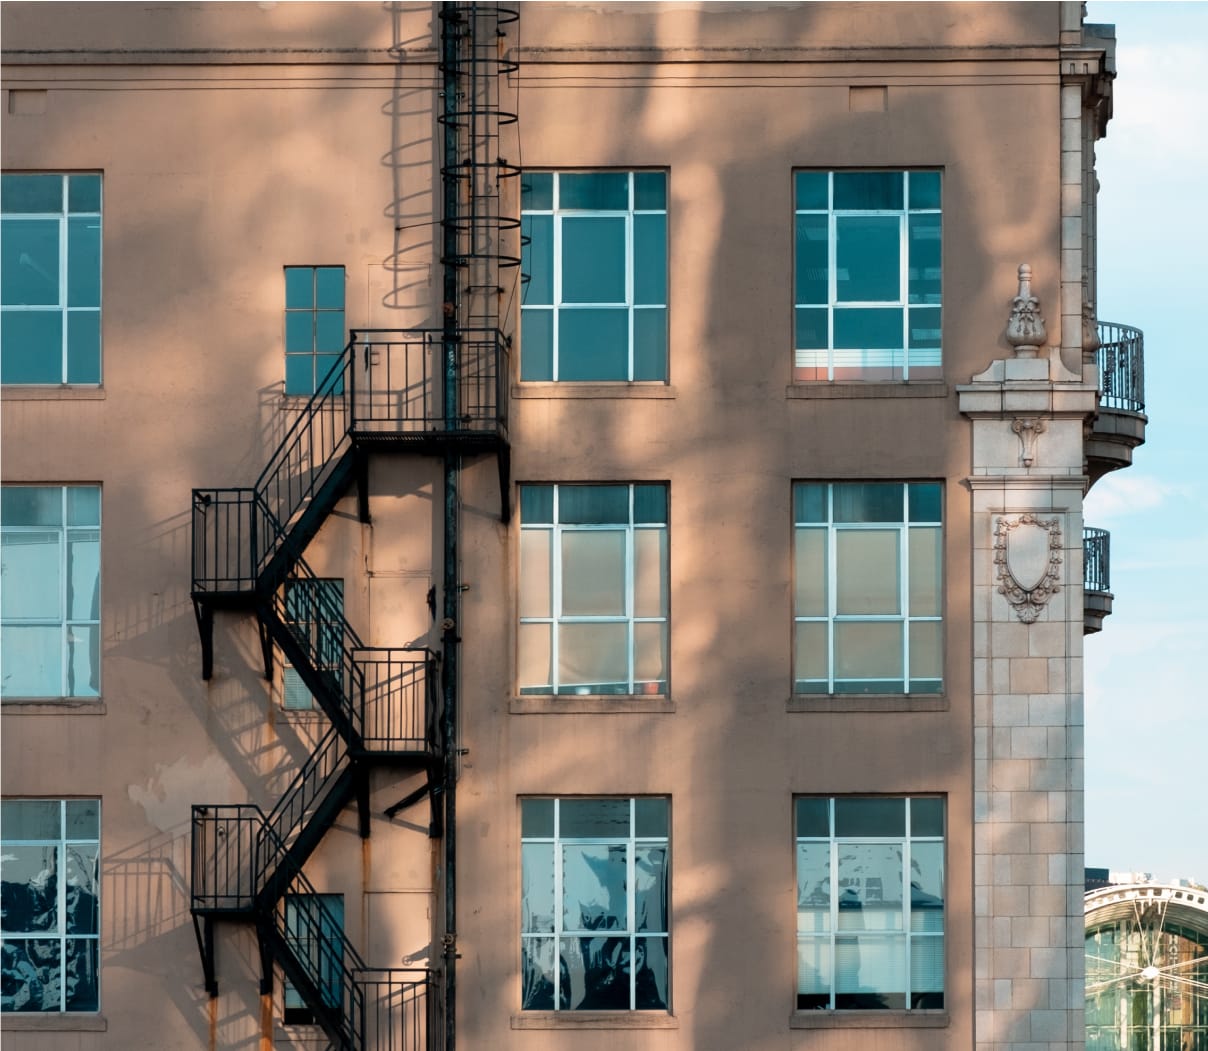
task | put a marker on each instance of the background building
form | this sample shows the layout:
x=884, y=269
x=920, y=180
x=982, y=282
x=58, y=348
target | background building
x=687, y=538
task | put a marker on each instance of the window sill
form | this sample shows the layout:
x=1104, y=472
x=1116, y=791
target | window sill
x=49, y=706
x=20, y=1022
x=594, y=1020
x=857, y=389
x=868, y=1020
x=619, y=389
x=572, y=704
x=867, y=702
x=56, y=392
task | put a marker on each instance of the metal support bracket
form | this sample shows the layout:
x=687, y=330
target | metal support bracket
x=203, y=928
x=205, y=628
x=505, y=483
x=266, y=955
x=361, y=774
x=361, y=468
x=266, y=646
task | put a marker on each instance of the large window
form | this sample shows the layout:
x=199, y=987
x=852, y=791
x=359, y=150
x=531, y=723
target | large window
x=594, y=933
x=314, y=926
x=314, y=325
x=50, y=892
x=595, y=276
x=870, y=903
x=593, y=589
x=868, y=275
x=50, y=279
x=868, y=598
x=50, y=605
x=314, y=610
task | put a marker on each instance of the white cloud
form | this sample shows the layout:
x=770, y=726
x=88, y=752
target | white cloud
x=1126, y=493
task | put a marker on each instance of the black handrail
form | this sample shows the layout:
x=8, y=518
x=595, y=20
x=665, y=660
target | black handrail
x=1096, y=559
x=1121, y=360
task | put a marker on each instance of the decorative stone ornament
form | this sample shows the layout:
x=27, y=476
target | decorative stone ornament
x=1028, y=429
x=1027, y=554
x=1025, y=327
x=1090, y=325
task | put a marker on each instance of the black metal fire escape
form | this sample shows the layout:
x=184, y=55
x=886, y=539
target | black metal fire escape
x=434, y=391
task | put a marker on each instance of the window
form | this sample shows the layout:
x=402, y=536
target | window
x=50, y=606
x=870, y=903
x=50, y=886
x=868, y=275
x=593, y=589
x=315, y=931
x=50, y=279
x=594, y=904
x=868, y=560
x=314, y=610
x=314, y=325
x=595, y=285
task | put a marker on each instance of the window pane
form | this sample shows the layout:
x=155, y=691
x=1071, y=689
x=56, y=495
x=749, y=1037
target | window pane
x=29, y=262
x=870, y=875
x=329, y=287
x=926, y=651
x=593, y=504
x=650, y=504
x=649, y=259
x=330, y=335
x=599, y=190
x=811, y=658
x=867, y=259
x=83, y=505
x=537, y=898
x=813, y=816
x=650, y=982
x=813, y=877
x=867, y=571
x=868, y=191
x=32, y=659
x=650, y=888
x=34, y=966
x=810, y=571
x=593, y=259
x=593, y=344
x=924, y=189
x=650, y=190
x=81, y=972
x=593, y=884
x=84, y=575
x=299, y=287
x=927, y=972
x=537, y=976
x=927, y=886
x=650, y=654
x=593, y=818
x=870, y=972
x=870, y=816
x=926, y=332
x=82, y=889
x=871, y=329
x=812, y=329
x=537, y=190
x=924, y=236
x=32, y=577
x=31, y=193
x=925, y=563
x=650, y=817
x=84, y=262
x=535, y=664
x=32, y=342
x=536, y=582
x=537, y=263
x=537, y=818
x=537, y=504
x=869, y=651
x=925, y=502
x=593, y=573
x=31, y=505
x=811, y=189
x=926, y=817
x=813, y=268
x=83, y=660
x=868, y=502
x=84, y=346
x=30, y=819
x=650, y=344
x=31, y=886
x=299, y=374
x=299, y=332
x=84, y=193
x=809, y=503
x=593, y=658
x=814, y=975
x=649, y=577
x=537, y=345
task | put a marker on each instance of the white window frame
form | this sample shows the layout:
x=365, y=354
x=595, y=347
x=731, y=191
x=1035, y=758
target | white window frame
x=853, y=359
x=554, y=309
x=61, y=846
x=62, y=217
x=630, y=842
x=832, y=617
x=65, y=622
x=905, y=934
x=629, y=618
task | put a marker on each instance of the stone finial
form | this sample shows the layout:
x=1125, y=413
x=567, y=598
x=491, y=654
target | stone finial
x=1025, y=326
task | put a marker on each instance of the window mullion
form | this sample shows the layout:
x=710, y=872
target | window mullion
x=558, y=910
x=64, y=298
x=555, y=606
x=61, y=899
x=631, y=902
x=556, y=276
x=64, y=630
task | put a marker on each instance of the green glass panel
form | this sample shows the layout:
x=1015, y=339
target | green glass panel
x=867, y=572
x=32, y=658
x=32, y=346
x=299, y=332
x=84, y=575
x=299, y=374
x=81, y=879
x=299, y=287
x=650, y=259
x=927, y=816
x=537, y=262
x=330, y=334
x=324, y=363
x=866, y=650
x=868, y=191
x=593, y=819
x=537, y=882
x=329, y=287
x=536, y=190
x=593, y=259
x=870, y=816
x=31, y=505
x=812, y=333
x=593, y=573
x=813, y=273
x=651, y=817
x=650, y=888
x=924, y=189
x=84, y=193
x=650, y=191
x=84, y=346
x=81, y=965
x=811, y=190
x=600, y=191
x=650, y=344
x=593, y=504
x=868, y=259
x=924, y=238
x=536, y=818
x=29, y=262
x=809, y=502
x=31, y=575
x=926, y=560
x=872, y=329
x=925, y=328
x=813, y=817
x=84, y=262
x=30, y=194
x=868, y=502
x=537, y=504
x=810, y=570
x=536, y=344
x=926, y=656
x=30, y=819
x=83, y=660
x=926, y=501
x=593, y=344
x=650, y=504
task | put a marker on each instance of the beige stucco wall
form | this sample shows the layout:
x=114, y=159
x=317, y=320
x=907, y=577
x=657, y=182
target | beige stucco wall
x=291, y=136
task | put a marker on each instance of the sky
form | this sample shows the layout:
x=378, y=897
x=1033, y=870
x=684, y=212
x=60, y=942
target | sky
x=1146, y=673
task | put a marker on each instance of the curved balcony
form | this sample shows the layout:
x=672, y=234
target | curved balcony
x=1119, y=426
x=1096, y=579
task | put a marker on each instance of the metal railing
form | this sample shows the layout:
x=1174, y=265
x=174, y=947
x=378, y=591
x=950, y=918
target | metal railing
x=1121, y=360
x=1096, y=559
x=402, y=1009
x=399, y=703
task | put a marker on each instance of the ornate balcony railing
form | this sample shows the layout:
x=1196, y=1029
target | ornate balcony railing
x=1121, y=358
x=1096, y=559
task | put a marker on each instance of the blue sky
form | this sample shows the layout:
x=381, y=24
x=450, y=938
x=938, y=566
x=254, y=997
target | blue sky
x=1147, y=671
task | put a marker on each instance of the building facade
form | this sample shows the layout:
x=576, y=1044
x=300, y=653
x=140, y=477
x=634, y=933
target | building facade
x=425, y=626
